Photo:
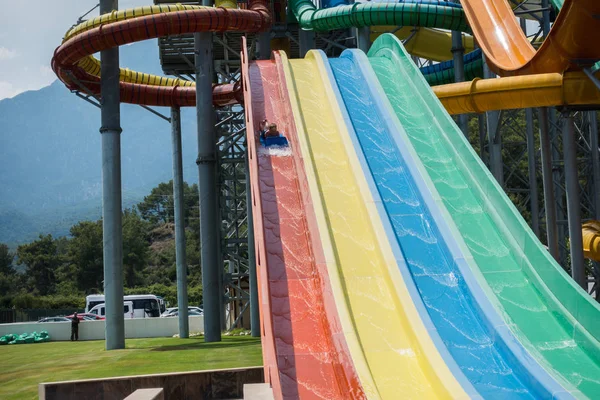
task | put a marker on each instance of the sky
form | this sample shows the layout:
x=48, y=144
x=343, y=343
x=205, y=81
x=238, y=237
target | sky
x=29, y=33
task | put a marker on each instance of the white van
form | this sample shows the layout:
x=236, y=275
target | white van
x=144, y=305
x=128, y=311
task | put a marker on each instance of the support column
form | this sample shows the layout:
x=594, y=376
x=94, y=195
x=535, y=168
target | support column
x=481, y=124
x=180, y=256
x=112, y=228
x=573, y=203
x=531, y=162
x=307, y=41
x=494, y=140
x=532, y=168
x=559, y=193
x=212, y=292
x=548, y=184
x=546, y=17
x=458, y=52
x=363, y=38
x=264, y=46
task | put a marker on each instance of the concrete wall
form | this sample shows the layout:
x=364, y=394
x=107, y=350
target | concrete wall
x=197, y=385
x=94, y=330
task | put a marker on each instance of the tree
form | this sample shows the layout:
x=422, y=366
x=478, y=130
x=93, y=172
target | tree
x=158, y=206
x=6, y=260
x=41, y=260
x=136, y=250
x=85, y=254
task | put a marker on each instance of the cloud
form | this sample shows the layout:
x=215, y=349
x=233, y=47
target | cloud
x=7, y=90
x=46, y=71
x=35, y=81
x=7, y=54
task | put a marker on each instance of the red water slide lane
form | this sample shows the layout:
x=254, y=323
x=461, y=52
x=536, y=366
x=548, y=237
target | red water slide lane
x=304, y=350
x=66, y=56
x=571, y=44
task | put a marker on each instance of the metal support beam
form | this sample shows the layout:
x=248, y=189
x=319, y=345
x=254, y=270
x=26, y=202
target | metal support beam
x=595, y=154
x=264, y=46
x=112, y=227
x=206, y=161
x=180, y=256
x=494, y=140
x=363, y=38
x=481, y=128
x=548, y=184
x=546, y=17
x=254, y=303
x=573, y=203
x=590, y=74
x=307, y=41
x=532, y=168
x=458, y=52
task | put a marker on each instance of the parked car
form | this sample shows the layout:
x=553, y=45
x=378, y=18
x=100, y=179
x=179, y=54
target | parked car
x=191, y=313
x=90, y=317
x=55, y=319
x=170, y=311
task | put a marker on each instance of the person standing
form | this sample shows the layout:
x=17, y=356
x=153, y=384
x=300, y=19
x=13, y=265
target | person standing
x=75, y=327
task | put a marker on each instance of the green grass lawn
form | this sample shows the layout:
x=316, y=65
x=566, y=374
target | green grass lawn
x=24, y=366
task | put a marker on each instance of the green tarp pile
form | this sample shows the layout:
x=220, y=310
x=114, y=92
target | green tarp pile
x=25, y=338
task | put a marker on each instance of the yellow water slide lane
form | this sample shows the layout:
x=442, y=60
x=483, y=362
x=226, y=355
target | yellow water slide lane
x=390, y=347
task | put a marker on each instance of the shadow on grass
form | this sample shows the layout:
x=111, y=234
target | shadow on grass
x=197, y=343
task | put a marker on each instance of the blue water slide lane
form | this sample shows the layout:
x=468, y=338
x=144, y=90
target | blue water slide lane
x=463, y=323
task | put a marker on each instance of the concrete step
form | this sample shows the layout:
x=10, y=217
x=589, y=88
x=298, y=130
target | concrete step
x=258, y=391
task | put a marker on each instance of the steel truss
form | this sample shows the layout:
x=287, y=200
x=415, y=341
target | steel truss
x=231, y=161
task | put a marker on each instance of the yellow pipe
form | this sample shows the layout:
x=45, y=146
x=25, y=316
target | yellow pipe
x=432, y=44
x=125, y=15
x=542, y=90
x=226, y=3
x=591, y=240
x=91, y=64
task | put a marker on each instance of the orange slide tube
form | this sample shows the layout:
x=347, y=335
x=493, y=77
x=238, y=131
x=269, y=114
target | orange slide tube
x=66, y=57
x=480, y=95
x=571, y=44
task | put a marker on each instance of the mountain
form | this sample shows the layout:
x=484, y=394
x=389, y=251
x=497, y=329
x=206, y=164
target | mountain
x=50, y=155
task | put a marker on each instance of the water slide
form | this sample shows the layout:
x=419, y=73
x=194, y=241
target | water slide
x=75, y=66
x=450, y=298
x=509, y=52
x=550, y=315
